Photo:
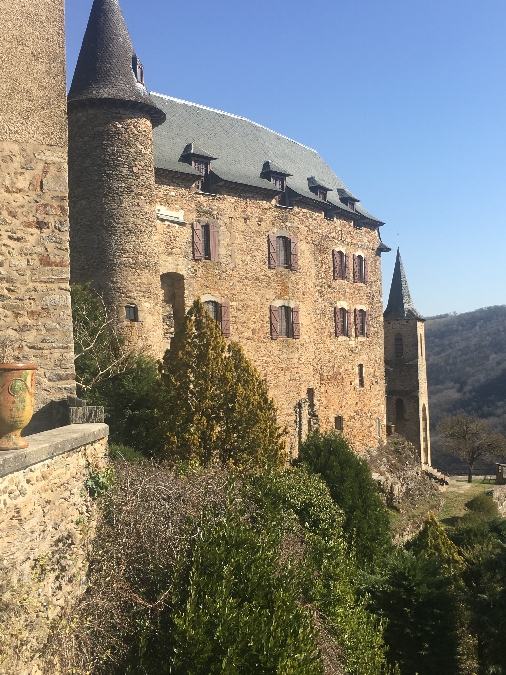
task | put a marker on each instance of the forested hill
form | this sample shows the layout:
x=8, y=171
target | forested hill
x=466, y=365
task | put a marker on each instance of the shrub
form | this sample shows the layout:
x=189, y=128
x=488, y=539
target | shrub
x=348, y=477
x=483, y=505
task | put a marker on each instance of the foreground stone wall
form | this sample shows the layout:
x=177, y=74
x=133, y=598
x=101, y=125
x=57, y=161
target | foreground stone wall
x=318, y=361
x=46, y=520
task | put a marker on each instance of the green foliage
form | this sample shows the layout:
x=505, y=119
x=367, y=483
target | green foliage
x=124, y=453
x=348, y=477
x=484, y=505
x=99, y=481
x=220, y=410
x=433, y=542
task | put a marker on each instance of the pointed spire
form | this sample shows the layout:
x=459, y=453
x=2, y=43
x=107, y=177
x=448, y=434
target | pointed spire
x=400, y=305
x=105, y=67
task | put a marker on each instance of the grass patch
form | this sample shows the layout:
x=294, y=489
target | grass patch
x=454, y=504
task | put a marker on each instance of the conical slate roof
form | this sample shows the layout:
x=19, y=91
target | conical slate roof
x=104, y=69
x=400, y=305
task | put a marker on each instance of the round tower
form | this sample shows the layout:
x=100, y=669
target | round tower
x=113, y=232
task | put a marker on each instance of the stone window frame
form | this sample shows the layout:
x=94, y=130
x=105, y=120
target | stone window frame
x=338, y=323
x=273, y=251
x=275, y=320
x=359, y=335
x=224, y=312
x=202, y=251
x=341, y=268
x=360, y=272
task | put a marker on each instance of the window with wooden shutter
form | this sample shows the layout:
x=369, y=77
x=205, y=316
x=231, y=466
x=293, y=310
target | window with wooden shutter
x=214, y=242
x=355, y=268
x=357, y=324
x=360, y=323
x=347, y=266
x=294, y=255
x=274, y=317
x=349, y=323
x=206, y=241
x=197, y=242
x=335, y=264
x=366, y=271
x=367, y=323
x=225, y=318
x=271, y=243
x=283, y=252
x=296, y=323
x=343, y=320
x=285, y=321
x=337, y=321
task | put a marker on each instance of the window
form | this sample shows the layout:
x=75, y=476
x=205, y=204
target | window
x=206, y=241
x=338, y=422
x=399, y=346
x=203, y=167
x=361, y=375
x=283, y=252
x=280, y=182
x=285, y=322
x=351, y=205
x=138, y=69
x=220, y=313
x=361, y=323
x=341, y=316
x=359, y=269
x=340, y=262
x=399, y=409
x=322, y=194
x=131, y=313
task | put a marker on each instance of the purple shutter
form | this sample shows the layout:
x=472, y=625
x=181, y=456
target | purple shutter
x=366, y=271
x=274, y=322
x=355, y=269
x=225, y=318
x=294, y=255
x=214, y=240
x=367, y=323
x=336, y=262
x=337, y=321
x=349, y=322
x=357, y=323
x=272, y=251
x=197, y=241
x=296, y=323
x=347, y=266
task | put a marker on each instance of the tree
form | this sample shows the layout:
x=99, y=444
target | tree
x=433, y=542
x=366, y=520
x=470, y=439
x=219, y=410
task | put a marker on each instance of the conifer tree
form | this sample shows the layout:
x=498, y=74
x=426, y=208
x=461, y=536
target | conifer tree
x=219, y=407
x=432, y=541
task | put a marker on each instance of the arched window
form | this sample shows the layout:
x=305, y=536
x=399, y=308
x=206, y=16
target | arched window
x=340, y=264
x=399, y=409
x=399, y=346
x=343, y=320
x=359, y=269
x=361, y=323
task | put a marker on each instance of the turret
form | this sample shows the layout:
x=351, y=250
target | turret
x=113, y=233
x=406, y=370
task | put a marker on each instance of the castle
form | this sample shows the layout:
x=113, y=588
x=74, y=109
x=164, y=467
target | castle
x=170, y=201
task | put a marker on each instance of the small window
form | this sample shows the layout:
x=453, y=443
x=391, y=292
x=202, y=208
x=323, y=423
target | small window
x=399, y=409
x=322, y=194
x=203, y=167
x=283, y=252
x=359, y=270
x=206, y=241
x=340, y=264
x=280, y=182
x=361, y=326
x=214, y=309
x=343, y=321
x=351, y=204
x=285, y=322
x=399, y=346
x=138, y=70
x=131, y=313
x=361, y=375
x=338, y=422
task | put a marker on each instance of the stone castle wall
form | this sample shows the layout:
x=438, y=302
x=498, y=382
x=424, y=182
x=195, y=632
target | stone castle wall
x=113, y=239
x=318, y=361
x=46, y=521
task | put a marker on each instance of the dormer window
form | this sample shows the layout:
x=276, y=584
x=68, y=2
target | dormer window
x=277, y=176
x=280, y=182
x=322, y=194
x=317, y=188
x=138, y=69
x=203, y=166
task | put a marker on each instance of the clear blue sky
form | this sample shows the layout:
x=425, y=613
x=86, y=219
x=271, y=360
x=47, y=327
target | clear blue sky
x=404, y=99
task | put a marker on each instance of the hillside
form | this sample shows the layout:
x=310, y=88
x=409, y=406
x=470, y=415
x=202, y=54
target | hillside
x=466, y=368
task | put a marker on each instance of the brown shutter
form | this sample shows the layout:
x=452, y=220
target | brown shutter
x=272, y=251
x=336, y=261
x=274, y=322
x=367, y=323
x=337, y=321
x=355, y=268
x=357, y=323
x=296, y=323
x=347, y=266
x=225, y=318
x=214, y=240
x=349, y=322
x=197, y=241
x=294, y=255
x=366, y=270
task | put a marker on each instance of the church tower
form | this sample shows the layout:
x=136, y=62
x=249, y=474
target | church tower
x=406, y=370
x=113, y=232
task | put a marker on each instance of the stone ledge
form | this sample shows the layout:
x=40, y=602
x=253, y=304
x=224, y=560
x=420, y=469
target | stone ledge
x=51, y=443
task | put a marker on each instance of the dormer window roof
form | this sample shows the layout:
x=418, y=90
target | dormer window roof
x=193, y=151
x=200, y=160
x=318, y=188
x=271, y=168
x=277, y=176
x=347, y=199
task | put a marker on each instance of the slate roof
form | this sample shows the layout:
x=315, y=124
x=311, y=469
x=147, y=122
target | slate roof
x=242, y=148
x=400, y=305
x=104, y=68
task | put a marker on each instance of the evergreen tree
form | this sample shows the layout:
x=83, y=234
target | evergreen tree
x=432, y=541
x=219, y=410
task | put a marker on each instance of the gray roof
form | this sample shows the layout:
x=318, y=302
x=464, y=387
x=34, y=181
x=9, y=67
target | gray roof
x=242, y=149
x=104, y=69
x=400, y=305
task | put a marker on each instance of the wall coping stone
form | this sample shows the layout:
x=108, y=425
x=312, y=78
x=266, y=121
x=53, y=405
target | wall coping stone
x=49, y=444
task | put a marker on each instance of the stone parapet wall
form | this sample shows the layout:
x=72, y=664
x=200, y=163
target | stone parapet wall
x=46, y=520
x=34, y=269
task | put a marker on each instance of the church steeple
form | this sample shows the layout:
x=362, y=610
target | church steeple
x=107, y=67
x=400, y=305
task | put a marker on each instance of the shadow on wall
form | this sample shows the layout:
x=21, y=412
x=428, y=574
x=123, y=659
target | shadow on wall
x=173, y=309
